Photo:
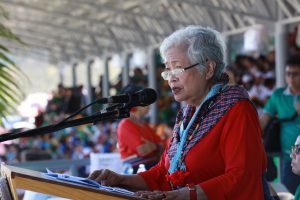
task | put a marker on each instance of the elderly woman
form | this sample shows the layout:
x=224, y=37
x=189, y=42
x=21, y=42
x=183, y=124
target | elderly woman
x=216, y=150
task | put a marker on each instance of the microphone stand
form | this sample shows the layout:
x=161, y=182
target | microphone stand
x=119, y=113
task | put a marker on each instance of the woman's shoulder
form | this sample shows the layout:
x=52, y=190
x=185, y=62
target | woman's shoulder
x=244, y=106
x=244, y=103
x=125, y=127
x=125, y=122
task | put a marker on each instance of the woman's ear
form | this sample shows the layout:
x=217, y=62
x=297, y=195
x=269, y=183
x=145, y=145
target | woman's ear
x=211, y=66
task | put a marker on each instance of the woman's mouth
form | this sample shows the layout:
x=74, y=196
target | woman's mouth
x=176, y=90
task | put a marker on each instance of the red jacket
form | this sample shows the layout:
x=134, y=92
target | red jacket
x=131, y=135
x=228, y=163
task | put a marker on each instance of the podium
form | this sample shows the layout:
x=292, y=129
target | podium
x=34, y=181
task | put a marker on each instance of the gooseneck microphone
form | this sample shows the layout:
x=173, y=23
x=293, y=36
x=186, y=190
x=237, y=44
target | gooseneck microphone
x=143, y=97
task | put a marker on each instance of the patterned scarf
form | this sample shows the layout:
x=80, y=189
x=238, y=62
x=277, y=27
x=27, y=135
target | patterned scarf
x=210, y=113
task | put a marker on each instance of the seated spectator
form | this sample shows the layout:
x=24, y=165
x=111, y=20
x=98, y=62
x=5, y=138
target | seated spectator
x=138, y=77
x=283, y=105
x=12, y=153
x=138, y=143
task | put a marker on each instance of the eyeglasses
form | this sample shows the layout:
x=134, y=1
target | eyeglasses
x=295, y=149
x=166, y=75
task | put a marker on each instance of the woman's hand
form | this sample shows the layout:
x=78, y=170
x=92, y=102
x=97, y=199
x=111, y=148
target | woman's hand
x=109, y=178
x=180, y=194
x=106, y=177
x=151, y=194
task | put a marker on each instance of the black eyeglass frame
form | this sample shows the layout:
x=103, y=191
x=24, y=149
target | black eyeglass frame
x=295, y=149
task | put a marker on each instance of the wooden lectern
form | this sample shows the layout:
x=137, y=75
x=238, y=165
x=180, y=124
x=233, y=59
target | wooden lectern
x=34, y=181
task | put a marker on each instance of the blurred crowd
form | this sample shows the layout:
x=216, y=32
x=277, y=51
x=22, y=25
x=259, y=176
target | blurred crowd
x=257, y=75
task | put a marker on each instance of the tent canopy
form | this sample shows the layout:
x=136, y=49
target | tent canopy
x=62, y=30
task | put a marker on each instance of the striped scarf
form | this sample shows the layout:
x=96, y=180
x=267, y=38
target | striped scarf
x=211, y=112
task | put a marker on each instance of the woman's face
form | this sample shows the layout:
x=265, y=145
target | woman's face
x=296, y=158
x=191, y=85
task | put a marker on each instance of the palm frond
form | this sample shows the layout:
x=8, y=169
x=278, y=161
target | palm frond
x=6, y=33
x=11, y=76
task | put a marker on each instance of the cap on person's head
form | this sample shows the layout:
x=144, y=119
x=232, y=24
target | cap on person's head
x=131, y=88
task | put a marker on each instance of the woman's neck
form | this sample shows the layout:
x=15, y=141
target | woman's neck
x=201, y=99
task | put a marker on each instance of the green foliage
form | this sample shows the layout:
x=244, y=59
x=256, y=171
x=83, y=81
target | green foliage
x=11, y=77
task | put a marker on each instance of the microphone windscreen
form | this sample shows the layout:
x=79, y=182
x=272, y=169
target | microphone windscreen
x=149, y=96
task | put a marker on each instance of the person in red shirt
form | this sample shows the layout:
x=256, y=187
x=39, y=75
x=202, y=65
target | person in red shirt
x=138, y=142
x=216, y=150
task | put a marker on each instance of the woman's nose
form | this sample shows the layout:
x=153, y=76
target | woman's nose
x=173, y=78
x=292, y=155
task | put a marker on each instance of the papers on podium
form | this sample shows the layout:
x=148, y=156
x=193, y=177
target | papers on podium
x=86, y=182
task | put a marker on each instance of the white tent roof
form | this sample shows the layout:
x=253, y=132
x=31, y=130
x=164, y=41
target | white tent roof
x=61, y=30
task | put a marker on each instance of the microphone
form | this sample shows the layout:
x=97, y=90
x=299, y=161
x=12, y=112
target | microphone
x=143, y=98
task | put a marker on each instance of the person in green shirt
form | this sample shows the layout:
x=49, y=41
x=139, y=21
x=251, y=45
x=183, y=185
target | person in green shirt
x=295, y=155
x=283, y=104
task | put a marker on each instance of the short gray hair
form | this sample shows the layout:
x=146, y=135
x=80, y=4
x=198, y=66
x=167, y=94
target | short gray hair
x=201, y=44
